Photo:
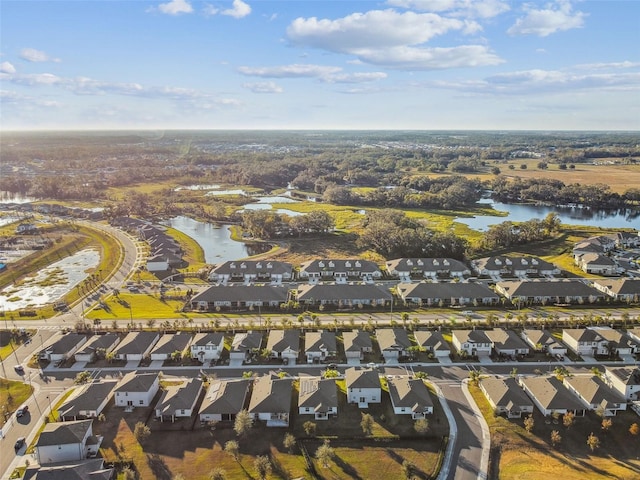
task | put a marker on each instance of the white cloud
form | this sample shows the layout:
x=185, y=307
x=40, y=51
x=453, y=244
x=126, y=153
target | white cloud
x=544, y=22
x=175, y=7
x=392, y=39
x=326, y=74
x=466, y=8
x=238, y=10
x=10, y=97
x=33, y=55
x=598, y=66
x=6, y=67
x=296, y=70
x=263, y=87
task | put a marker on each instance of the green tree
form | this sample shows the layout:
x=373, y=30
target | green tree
x=593, y=442
x=568, y=419
x=218, y=474
x=325, y=453
x=634, y=429
x=309, y=428
x=262, y=464
x=141, y=431
x=606, y=424
x=556, y=438
x=289, y=442
x=232, y=448
x=367, y=423
x=243, y=423
x=82, y=377
x=409, y=469
x=529, y=423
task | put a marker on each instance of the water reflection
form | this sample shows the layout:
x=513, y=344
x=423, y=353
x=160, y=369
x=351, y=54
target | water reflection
x=215, y=240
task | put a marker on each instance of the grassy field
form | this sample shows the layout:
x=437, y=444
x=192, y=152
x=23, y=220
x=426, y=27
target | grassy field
x=12, y=395
x=517, y=454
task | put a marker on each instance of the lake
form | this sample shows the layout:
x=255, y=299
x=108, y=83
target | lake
x=621, y=218
x=215, y=240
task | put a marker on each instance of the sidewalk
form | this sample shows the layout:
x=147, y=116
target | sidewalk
x=483, y=468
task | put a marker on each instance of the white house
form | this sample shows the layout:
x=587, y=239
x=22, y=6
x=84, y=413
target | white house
x=64, y=347
x=596, y=395
x=472, y=342
x=271, y=400
x=137, y=389
x=319, y=346
x=410, y=396
x=207, y=347
x=106, y=343
x=67, y=442
x=318, y=397
x=339, y=271
x=625, y=380
x=285, y=345
x=247, y=271
x=179, y=401
x=363, y=386
x=505, y=396
x=356, y=344
x=245, y=345
x=87, y=401
x=585, y=341
x=419, y=268
x=596, y=264
x=224, y=400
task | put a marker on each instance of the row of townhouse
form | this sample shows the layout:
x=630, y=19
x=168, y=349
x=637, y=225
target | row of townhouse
x=593, y=255
x=582, y=341
x=606, y=395
x=425, y=294
x=405, y=269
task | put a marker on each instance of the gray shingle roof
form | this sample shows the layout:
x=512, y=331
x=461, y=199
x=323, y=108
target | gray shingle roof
x=242, y=293
x=503, y=391
x=87, y=398
x=551, y=394
x=362, y=378
x=67, y=342
x=246, y=341
x=226, y=396
x=315, y=341
x=356, y=340
x=179, y=397
x=171, y=342
x=392, y=339
x=406, y=392
x=342, y=292
x=317, y=393
x=136, y=382
x=92, y=469
x=64, y=433
x=280, y=340
x=334, y=265
x=97, y=341
x=271, y=394
x=594, y=390
x=136, y=343
x=447, y=290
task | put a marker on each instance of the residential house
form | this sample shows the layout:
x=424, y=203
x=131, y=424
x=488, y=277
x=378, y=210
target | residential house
x=248, y=271
x=618, y=342
x=627, y=239
x=179, y=401
x=514, y=266
x=505, y=396
x=239, y=297
x=271, y=400
x=245, y=345
x=224, y=399
x=507, y=342
x=343, y=296
x=97, y=343
x=447, y=294
x=605, y=242
x=356, y=344
x=207, y=347
x=394, y=343
x=136, y=346
x=621, y=289
x=585, y=341
x=596, y=395
x=64, y=347
x=472, y=342
x=410, y=396
x=596, y=264
x=544, y=292
x=433, y=342
x=137, y=389
x=285, y=345
x=363, y=386
x=419, y=268
x=551, y=396
x=544, y=341
x=340, y=271
x=582, y=248
x=320, y=346
x=626, y=380
x=318, y=397
x=93, y=469
x=634, y=334
x=169, y=344
x=67, y=442
x=87, y=401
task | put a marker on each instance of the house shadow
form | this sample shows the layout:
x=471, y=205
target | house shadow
x=158, y=467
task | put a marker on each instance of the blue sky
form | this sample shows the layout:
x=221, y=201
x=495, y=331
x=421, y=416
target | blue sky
x=394, y=64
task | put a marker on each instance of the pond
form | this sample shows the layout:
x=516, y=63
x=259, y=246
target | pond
x=215, y=240
x=620, y=218
x=51, y=283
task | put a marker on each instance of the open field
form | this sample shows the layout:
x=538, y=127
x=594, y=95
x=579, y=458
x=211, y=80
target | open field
x=12, y=395
x=517, y=454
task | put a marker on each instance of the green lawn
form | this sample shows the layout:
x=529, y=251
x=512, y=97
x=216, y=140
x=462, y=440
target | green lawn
x=12, y=395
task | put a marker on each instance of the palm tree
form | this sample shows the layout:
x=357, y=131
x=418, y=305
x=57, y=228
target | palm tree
x=555, y=437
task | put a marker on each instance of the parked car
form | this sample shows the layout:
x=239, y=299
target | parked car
x=19, y=443
x=22, y=410
x=19, y=369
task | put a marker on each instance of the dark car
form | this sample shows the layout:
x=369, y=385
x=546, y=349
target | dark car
x=332, y=366
x=21, y=411
x=19, y=443
x=19, y=369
